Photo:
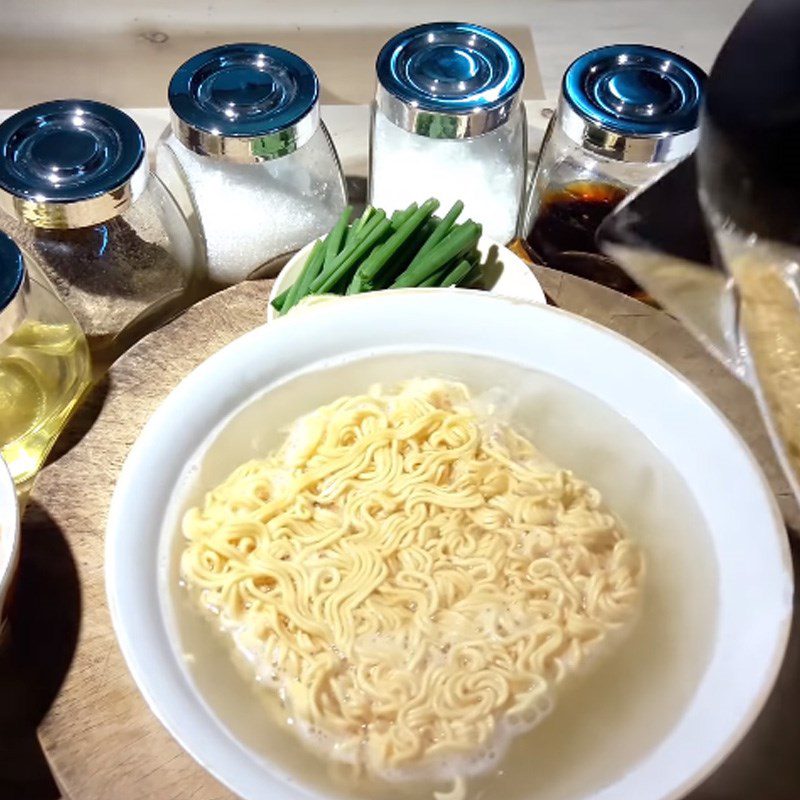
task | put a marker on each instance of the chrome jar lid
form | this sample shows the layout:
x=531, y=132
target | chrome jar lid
x=632, y=102
x=449, y=80
x=244, y=102
x=70, y=163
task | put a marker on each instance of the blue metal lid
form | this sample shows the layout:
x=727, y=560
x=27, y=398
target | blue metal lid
x=12, y=270
x=463, y=72
x=635, y=90
x=59, y=162
x=229, y=97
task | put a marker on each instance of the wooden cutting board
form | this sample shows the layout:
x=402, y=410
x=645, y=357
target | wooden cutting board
x=99, y=736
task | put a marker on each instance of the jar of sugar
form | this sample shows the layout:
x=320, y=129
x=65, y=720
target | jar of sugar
x=448, y=122
x=248, y=157
x=80, y=201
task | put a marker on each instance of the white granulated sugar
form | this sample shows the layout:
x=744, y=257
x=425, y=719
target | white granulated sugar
x=485, y=172
x=252, y=213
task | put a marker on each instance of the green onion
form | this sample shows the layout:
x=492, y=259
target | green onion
x=459, y=241
x=436, y=278
x=309, y=271
x=356, y=286
x=374, y=231
x=333, y=243
x=358, y=225
x=353, y=231
x=458, y=273
x=349, y=235
x=400, y=216
x=441, y=230
x=381, y=255
x=278, y=302
x=323, y=253
x=400, y=261
x=413, y=248
x=358, y=238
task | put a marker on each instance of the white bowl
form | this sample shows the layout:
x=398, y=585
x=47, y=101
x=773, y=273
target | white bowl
x=507, y=275
x=9, y=535
x=228, y=407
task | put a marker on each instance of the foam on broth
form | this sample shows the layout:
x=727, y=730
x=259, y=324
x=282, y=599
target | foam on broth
x=607, y=719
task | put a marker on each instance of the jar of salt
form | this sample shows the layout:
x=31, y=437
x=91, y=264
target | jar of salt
x=249, y=157
x=448, y=122
x=81, y=203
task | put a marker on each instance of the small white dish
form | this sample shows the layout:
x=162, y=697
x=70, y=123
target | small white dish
x=507, y=274
x=9, y=536
x=219, y=415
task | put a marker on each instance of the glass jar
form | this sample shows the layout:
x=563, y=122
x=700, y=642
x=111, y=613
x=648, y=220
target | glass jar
x=44, y=365
x=81, y=202
x=248, y=156
x=626, y=114
x=448, y=122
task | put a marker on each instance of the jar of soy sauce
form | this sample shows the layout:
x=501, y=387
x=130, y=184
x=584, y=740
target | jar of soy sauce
x=448, y=122
x=81, y=203
x=44, y=364
x=249, y=158
x=626, y=114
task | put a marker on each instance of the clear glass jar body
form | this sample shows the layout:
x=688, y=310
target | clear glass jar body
x=250, y=216
x=487, y=172
x=44, y=370
x=572, y=191
x=120, y=278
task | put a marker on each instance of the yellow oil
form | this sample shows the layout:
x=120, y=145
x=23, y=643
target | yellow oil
x=44, y=370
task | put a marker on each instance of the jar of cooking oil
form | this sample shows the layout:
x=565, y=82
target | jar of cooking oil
x=44, y=364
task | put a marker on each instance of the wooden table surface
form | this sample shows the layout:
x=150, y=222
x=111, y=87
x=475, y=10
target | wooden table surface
x=100, y=738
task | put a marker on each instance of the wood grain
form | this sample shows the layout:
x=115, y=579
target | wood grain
x=99, y=736
x=123, y=52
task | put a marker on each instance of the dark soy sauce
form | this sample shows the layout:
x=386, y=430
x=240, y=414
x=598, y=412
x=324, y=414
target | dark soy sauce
x=563, y=235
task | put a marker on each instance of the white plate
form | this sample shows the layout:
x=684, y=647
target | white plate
x=9, y=534
x=745, y=532
x=508, y=274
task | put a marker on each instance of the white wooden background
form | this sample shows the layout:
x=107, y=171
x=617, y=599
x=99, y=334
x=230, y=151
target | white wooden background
x=123, y=51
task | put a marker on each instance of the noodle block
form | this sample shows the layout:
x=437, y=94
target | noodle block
x=413, y=578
